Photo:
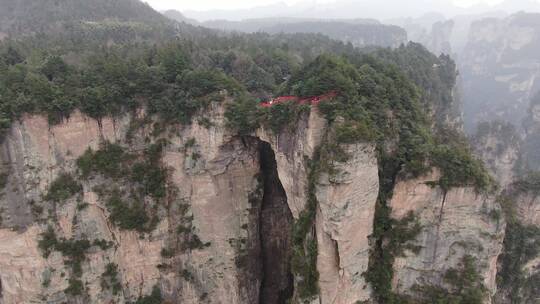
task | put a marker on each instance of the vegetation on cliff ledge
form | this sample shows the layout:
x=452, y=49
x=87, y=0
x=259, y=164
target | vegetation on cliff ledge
x=62, y=188
x=463, y=285
x=521, y=244
x=529, y=183
x=141, y=173
x=153, y=298
x=74, y=252
x=304, y=251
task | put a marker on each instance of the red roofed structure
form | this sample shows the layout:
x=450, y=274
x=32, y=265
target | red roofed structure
x=308, y=100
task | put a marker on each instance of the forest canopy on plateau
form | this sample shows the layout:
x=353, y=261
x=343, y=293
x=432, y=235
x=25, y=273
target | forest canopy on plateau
x=383, y=94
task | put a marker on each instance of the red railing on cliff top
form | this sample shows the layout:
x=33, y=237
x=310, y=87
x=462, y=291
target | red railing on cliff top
x=307, y=100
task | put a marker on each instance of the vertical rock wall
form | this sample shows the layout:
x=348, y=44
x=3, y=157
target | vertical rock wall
x=455, y=223
x=241, y=196
x=519, y=265
x=344, y=223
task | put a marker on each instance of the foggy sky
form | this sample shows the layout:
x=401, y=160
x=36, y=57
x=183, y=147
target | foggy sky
x=189, y=5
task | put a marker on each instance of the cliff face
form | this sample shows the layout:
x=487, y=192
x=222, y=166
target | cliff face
x=496, y=59
x=499, y=68
x=455, y=223
x=214, y=192
x=344, y=224
x=531, y=144
x=519, y=265
x=513, y=162
x=438, y=40
x=499, y=146
x=222, y=231
x=241, y=194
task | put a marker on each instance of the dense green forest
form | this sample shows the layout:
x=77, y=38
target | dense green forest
x=177, y=79
x=28, y=16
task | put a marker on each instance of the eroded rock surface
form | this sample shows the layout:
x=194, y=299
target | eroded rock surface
x=499, y=146
x=223, y=231
x=344, y=223
x=215, y=186
x=500, y=69
x=455, y=223
x=519, y=265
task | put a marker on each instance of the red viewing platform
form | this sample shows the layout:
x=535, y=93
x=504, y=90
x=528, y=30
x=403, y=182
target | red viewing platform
x=307, y=100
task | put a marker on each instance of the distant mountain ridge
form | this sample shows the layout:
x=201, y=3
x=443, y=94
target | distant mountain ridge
x=359, y=35
x=29, y=16
x=262, y=24
x=178, y=16
x=382, y=10
x=501, y=67
x=359, y=32
x=497, y=55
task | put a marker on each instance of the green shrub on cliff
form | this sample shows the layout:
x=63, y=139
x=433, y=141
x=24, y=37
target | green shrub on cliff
x=109, y=279
x=392, y=237
x=127, y=215
x=304, y=243
x=74, y=252
x=112, y=161
x=353, y=132
x=283, y=116
x=108, y=85
x=107, y=161
x=62, y=188
x=142, y=173
x=154, y=298
x=243, y=115
x=521, y=244
x=149, y=173
x=464, y=286
x=75, y=287
x=48, y=241
x=459, y=168
x=529, y=183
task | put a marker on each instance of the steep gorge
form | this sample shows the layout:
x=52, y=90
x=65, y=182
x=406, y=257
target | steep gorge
x=240, y=198
x=275, y=233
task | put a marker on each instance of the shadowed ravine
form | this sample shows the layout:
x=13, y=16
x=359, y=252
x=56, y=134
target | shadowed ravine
x=275, y=233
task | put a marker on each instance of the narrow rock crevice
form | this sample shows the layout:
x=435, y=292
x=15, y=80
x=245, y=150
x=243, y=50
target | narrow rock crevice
x=336, y=254
x=441, y=214
x=275, y=233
